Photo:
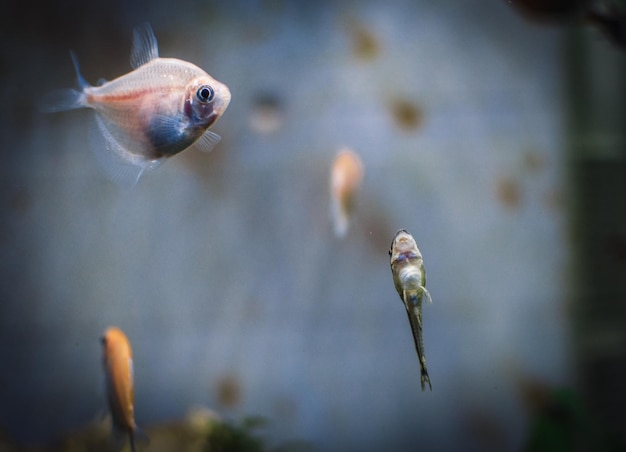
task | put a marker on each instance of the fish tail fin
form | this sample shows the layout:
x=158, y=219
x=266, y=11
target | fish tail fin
x=414, y=311
x=137, y=436
x=339, y=218
x=82, y=83
x=424, y=378
x=66, y=99
x=62, y=100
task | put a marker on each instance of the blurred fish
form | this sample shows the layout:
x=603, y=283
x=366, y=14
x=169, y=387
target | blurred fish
x=118, y=372
x=345, y=179
x=409, y=277
x=161, y=108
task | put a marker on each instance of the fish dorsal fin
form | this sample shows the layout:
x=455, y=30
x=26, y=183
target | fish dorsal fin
x=144, y=47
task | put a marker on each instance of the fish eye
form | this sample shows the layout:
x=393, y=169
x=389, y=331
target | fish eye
x=205, y=93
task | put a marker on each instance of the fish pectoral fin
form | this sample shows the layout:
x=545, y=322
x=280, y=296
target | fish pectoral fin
x=144, y=48
x=426, y=295
x=207, y=141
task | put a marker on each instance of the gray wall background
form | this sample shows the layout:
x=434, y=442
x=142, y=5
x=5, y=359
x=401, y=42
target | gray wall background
x=222, y=267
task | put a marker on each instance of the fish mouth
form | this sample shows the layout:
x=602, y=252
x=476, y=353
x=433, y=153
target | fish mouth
x=404, y=244
x=404, y=241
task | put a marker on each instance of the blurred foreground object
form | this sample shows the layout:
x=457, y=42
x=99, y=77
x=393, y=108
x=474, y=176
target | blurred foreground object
x=118, y=371
x=608, y=16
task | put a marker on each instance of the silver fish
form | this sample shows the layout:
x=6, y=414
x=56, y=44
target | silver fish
x=409, y=277
x=159, y=109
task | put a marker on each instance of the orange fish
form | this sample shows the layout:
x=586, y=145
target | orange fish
x=118, y=371
x=345, y=179
x=162, y=107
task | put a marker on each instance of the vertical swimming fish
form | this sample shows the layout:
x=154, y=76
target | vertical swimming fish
x=409, y=277
x=117, y=359
x=162, y=107
x=345, y=179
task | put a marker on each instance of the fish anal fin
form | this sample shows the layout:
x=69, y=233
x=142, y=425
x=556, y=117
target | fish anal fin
x=144, y=48
x=119, y=164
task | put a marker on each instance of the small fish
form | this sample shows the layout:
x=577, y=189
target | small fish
x=159, y=109
x=409, y=277
x=117, y=359
x=345, y=179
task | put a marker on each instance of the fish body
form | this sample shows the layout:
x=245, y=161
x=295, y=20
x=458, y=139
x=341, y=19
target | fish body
x=118, y=370
x=345, y=179
x=161, y=108
x=409, y=278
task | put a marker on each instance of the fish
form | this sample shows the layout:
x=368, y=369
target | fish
x=346, y=175
x=159, y=109
x=409, y=278
x=117, y=359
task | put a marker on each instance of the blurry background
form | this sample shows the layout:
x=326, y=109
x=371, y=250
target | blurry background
x=495, y=136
